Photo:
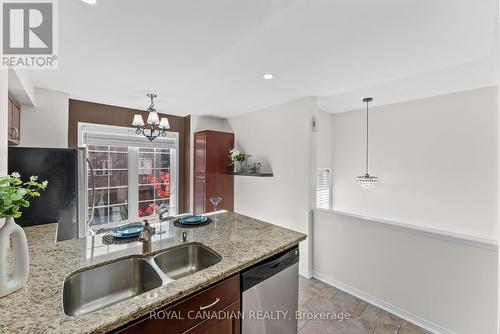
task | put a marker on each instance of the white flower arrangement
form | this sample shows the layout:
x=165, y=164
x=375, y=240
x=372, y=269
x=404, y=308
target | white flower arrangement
x=236, y=155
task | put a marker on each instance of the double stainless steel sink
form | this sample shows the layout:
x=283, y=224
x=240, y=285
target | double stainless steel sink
x=95, y=288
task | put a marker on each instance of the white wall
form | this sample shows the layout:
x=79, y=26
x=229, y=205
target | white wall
x=281, y=136
x=4, y=113
x=446, y=286
x=436, y=159
x=21, y=87
x=46, y=123
x=202, y=123
x=325, y=137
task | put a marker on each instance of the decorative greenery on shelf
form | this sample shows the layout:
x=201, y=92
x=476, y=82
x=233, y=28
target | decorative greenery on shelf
x=237, y=156
x=16, y=194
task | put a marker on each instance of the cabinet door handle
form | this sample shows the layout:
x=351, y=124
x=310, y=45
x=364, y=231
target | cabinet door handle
x=209, y=305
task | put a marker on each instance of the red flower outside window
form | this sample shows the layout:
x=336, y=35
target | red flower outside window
x=162, y=187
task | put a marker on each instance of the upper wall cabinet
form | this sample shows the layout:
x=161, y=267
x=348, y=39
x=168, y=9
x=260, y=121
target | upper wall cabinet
x=14, y=123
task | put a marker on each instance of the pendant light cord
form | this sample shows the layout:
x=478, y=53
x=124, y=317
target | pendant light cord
x=367, y=137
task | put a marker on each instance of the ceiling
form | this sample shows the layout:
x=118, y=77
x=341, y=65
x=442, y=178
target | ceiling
x=208, y=57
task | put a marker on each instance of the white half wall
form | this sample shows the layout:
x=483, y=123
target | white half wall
x=446, y=286
x=46, y=123
x=436, y=159
x=281, y=136
x=4, y=114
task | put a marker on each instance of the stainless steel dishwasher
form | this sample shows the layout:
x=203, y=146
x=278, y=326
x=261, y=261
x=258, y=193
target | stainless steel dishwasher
x=270, y=295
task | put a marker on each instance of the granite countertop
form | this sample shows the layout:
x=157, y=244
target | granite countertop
x=37, y=308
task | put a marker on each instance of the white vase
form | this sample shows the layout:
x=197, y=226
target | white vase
x=12, y=231
x=238, y=167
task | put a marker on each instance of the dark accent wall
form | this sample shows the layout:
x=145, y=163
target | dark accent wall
x=89, y=112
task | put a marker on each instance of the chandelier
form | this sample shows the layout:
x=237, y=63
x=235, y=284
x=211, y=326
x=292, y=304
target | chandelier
x=155, y=127
x=367, y=181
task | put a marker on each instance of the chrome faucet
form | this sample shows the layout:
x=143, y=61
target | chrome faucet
x=145, y=237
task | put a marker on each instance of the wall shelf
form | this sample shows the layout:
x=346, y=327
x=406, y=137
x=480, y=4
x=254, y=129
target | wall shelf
x=253, y=174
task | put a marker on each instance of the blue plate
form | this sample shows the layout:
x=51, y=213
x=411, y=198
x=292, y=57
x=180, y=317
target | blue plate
x=127, y=231
x=193, y=220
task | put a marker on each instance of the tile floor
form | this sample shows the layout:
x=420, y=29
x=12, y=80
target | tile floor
x=365, y=318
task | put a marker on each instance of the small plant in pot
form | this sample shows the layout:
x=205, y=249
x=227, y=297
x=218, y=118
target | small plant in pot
x=14, y=196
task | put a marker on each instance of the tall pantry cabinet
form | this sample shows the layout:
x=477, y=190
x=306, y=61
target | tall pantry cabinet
x=212, y=174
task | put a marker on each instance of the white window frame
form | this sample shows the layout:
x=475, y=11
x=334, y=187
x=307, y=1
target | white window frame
x=330, y=183
x=99, y=134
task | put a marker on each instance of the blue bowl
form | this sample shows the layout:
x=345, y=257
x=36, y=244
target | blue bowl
x=193, y=220
x=128, y=231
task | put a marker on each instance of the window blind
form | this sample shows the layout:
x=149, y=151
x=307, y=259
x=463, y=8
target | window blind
x=323, y=188
x=98, y=134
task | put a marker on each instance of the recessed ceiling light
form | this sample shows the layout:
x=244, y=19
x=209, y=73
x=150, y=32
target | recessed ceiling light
x=268, y=76
x=91, y=2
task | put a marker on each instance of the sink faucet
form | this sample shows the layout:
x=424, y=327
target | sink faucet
x=145, y=237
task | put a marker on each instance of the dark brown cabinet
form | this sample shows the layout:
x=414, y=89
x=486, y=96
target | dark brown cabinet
x=229, y=324
x=212, y=174
x=214, y=310
x=14, y=121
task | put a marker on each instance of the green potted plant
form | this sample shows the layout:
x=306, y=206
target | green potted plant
x=14, y=196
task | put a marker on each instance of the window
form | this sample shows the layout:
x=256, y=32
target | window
x=110, y=165
x=154, y=180
x=132, y=177
x=323, y=188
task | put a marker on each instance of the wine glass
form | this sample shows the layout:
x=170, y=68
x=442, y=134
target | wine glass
x=215, y=201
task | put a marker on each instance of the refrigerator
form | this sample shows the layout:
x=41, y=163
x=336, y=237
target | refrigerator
x=59, y=203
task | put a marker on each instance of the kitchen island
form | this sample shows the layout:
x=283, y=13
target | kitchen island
x=241, y=241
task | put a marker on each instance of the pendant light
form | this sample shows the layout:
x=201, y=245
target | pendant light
x=155, y=126
x=367, y=181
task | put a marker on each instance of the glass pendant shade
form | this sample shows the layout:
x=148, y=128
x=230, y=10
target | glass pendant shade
x=367, y=182
x=138, y=121
x=153, y=118
x=164, y=124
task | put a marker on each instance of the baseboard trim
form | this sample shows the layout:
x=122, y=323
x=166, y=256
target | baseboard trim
x=410, y=317
x=306, y=275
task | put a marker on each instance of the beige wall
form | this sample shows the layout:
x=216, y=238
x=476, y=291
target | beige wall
x=437, y=160
x=46, y=123
x=281, y=137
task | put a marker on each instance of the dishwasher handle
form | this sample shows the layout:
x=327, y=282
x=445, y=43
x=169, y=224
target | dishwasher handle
x=268, y=268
